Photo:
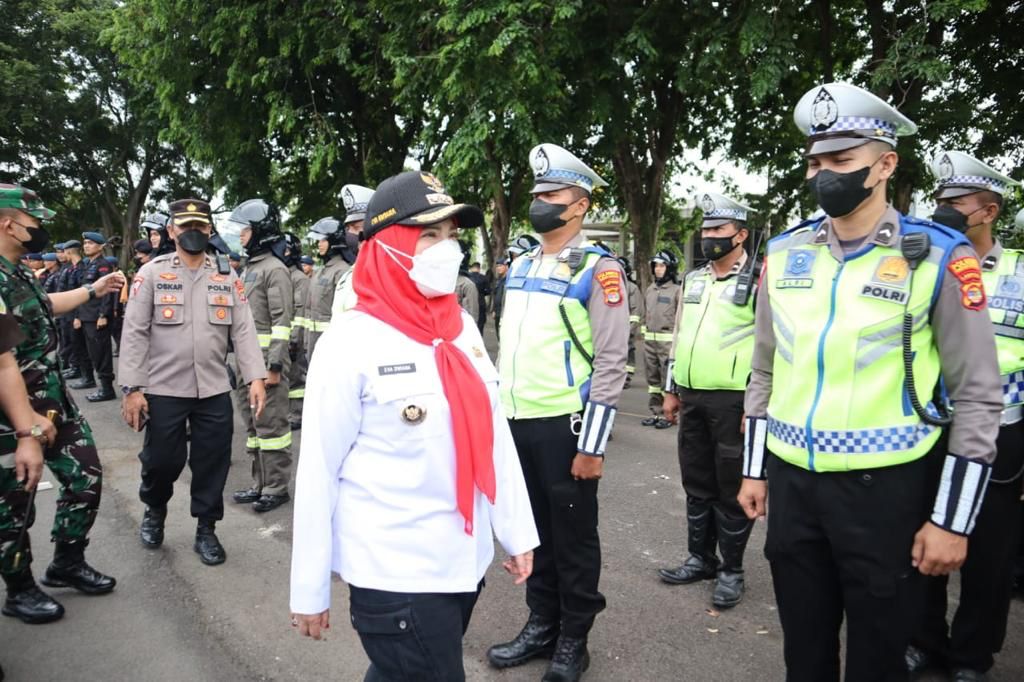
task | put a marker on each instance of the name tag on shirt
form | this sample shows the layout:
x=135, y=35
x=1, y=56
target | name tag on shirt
x=389, y=370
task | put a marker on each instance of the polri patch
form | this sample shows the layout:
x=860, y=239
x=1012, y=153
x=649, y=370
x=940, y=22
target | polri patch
x=136, y=285
x=877, y=291
x=240, y=290
x=968, y=272
x=611, y=284
x=401, y=368
x=799, y=263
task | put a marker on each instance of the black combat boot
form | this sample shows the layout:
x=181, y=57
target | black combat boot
x=104, y=393
x=27, y=602
x=207, y=546
x=246, y=496
x=537, y=638
x=732, y=541
x=151, y=532
x=570, y=660
x=87, y=381
x=71, y=373
x=917, y=659
x=267, y=502
x=701, y=538
x=69, y=569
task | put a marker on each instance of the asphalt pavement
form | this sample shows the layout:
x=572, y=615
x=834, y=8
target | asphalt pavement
x=172, y=618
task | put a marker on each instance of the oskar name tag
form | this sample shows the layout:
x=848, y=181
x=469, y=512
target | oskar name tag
x=404, y=368
x=884, y=293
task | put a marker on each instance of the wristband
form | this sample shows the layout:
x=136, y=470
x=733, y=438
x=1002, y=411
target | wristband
x=92, y=291
x=753, y=448
x=961, y=491
x=595, y=428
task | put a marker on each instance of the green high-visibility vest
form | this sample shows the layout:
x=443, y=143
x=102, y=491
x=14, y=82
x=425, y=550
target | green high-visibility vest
x=543, y=374
x=1004, y=288
x=838, y=400
x=715, y=337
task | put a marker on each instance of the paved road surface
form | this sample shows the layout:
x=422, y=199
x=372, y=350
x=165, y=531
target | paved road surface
x=171, y=618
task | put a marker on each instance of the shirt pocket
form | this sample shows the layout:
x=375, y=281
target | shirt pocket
x=168, y=308
x=409, y=405
x=219, y=308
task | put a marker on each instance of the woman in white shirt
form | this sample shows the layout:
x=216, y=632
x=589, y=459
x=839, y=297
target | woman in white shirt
x=407, y=462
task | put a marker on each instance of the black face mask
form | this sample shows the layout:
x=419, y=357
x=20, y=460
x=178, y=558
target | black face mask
x=840, y=194
x=717, y=247
x=38, y=238
x=950, y=217
x=546, y=217
x=194, y=241
x=352, y=241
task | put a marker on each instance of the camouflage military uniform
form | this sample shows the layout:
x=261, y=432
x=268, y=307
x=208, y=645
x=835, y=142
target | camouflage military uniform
x=72, y=458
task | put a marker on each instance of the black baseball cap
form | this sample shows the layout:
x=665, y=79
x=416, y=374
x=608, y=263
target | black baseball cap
x=415, y=198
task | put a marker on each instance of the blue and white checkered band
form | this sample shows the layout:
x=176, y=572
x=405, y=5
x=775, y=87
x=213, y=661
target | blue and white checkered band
x=881, y=128
x=567, y=177
x=733, y=213
x=1013, y=388
x=972, y=180
x=862, y=442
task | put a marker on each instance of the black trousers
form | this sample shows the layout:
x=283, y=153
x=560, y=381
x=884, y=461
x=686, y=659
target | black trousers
x=839, y=544
x=80, y=350
x=65, y=348
x=165, y=451
x=101, y=353
x=412, y=636
x=711, y=448
x=567, y=564
x=986, y=578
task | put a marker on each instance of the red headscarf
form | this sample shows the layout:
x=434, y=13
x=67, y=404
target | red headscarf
x=386, y=292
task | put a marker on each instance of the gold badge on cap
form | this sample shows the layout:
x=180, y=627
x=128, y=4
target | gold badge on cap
x=191, y=207
x=414, y=414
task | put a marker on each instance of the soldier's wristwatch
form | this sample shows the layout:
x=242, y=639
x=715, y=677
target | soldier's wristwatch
x=125, y=390
x=35, y=432
x=92, y=291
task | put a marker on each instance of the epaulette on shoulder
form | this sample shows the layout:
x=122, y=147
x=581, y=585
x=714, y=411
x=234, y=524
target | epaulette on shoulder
x=162, y=258
x=808, y=225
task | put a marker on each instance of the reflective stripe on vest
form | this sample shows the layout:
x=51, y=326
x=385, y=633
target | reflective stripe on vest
x=715, y=338
x=542, y=372
x=658, y=337
x=1004, y=288
x=838, y=398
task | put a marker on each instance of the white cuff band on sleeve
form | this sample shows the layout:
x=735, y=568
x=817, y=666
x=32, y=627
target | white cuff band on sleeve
x=753, y=448
x=961, y=491
x=598, y=420
x=670, y=384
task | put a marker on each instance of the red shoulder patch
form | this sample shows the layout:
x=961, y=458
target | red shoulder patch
x=968, y=272
x=136, y=284
x=611, y=284
x=240, y=290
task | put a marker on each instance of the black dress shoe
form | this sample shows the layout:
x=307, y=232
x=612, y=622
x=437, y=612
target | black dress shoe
x=101, y=395
x=31, y=605
x=570, y=660
x=916, y=659
x=69, y=569
x=246, y=496
x=268, y=502
x=662, y=423
x=207, y=546
x=151, y=532
x=694, y=569
x=650, y=421
x=537, y=638
x=967, y=675
x=70, y=374
x=84, y=382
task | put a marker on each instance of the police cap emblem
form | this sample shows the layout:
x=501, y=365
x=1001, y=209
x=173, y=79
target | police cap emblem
x=824, y=111
x=945, y=167
x=432, y=182
x=347, y=199
x=707, y=204
x=540, y=163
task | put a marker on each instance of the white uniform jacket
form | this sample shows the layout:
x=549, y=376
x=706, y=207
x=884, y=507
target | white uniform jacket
x=375, y=488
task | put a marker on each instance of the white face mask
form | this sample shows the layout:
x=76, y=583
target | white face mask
x=435, y=271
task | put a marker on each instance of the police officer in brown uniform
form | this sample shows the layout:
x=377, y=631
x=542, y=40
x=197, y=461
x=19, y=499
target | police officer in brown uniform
x=296, y=352
x=183, y=310
x=660, y=302
x=268, y=287
x=337, y=246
